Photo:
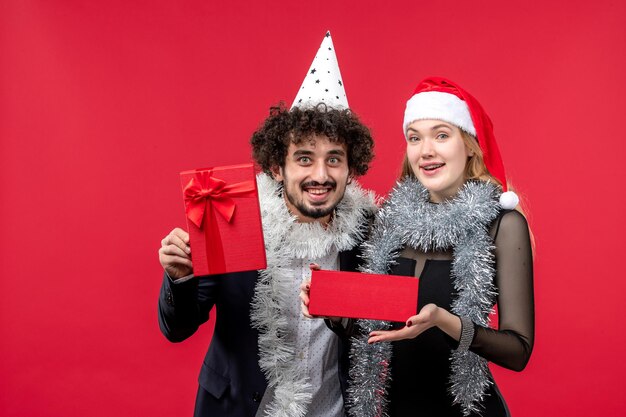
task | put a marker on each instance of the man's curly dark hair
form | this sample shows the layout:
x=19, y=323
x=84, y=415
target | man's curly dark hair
x=271, y=141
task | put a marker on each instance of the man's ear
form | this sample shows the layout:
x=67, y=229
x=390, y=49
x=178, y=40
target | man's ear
x=350, y=176
x=277, y=173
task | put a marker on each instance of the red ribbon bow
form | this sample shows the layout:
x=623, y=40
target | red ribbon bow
x=204, y=189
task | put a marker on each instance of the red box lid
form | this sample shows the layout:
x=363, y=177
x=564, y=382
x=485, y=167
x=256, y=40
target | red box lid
x=231, y=247
x=364, y=296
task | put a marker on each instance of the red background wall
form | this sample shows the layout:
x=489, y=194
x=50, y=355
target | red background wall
x=103, y=103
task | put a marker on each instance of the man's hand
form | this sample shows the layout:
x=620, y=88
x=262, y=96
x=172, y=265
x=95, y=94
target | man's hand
x=175, y=254
x=305, y=288
x=304, y=292
x=304, y=298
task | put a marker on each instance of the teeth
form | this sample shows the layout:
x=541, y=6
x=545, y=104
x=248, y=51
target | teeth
x=431, y=167
x=316, y=191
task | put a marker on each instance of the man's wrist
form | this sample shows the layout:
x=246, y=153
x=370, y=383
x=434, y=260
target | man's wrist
x=179, y=280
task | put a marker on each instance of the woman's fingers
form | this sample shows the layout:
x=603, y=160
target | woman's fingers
x=411, y=321
x=384, y=336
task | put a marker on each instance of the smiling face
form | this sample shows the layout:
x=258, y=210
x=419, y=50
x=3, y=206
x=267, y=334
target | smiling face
x=437, y=155
x=314, y=178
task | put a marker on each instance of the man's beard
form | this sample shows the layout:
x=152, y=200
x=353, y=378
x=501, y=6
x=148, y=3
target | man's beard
x=312, y=212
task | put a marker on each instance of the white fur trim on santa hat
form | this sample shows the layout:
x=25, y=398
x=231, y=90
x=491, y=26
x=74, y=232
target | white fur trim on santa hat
x=509, y=200
x=438, y=106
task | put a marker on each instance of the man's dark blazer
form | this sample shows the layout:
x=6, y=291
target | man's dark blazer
x=231, y=382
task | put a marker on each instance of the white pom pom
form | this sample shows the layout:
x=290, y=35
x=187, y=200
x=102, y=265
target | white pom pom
x=509, y=200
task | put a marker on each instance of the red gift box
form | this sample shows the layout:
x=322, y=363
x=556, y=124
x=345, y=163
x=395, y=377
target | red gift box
x=223, y=219
x=363, y=296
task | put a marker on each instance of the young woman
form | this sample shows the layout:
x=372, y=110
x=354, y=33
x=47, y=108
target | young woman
x=450, y=222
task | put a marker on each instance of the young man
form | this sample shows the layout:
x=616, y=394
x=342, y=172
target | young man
x=265, y=358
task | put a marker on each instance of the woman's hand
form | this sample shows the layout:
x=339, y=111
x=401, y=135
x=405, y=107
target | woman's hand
x=415, y=326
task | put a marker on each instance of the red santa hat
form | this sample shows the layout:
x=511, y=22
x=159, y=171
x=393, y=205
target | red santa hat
x=441, y=99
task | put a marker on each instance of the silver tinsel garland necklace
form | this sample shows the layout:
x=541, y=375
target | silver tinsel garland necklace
x=289, y=391
x=462, y=224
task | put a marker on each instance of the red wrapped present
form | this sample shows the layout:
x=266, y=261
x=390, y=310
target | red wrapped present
x=363, y=296
x=223, y=219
